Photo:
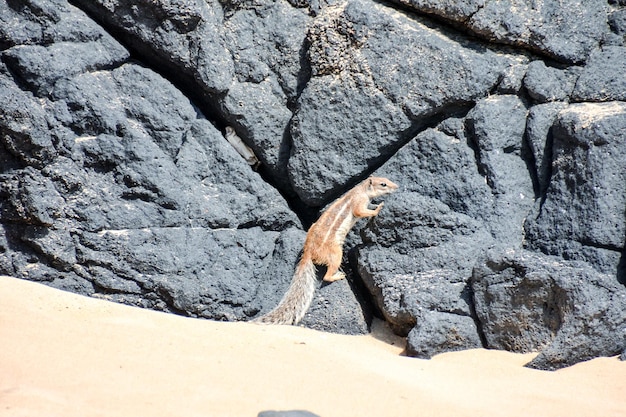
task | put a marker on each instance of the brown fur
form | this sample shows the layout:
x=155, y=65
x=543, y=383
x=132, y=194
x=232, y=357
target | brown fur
x=324, y=246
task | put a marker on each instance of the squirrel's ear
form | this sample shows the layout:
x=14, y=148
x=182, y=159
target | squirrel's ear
x=371, y=182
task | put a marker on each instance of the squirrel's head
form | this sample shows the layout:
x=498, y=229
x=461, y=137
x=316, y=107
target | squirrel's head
x=377, y=186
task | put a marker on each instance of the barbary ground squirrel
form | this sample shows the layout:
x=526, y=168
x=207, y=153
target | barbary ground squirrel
x=324, y=246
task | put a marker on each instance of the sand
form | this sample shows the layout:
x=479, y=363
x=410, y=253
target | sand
x=68, y=355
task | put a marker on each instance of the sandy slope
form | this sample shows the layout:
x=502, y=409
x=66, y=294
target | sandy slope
x=67, y=355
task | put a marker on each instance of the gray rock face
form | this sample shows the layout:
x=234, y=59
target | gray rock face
x=465, y=188
x=267, y=45
x=496, y=127
x=604, y=78
x=582, y=216
x=539, y=127
x=183, y=36
x=546, y=84
x=509, y=228
x=368, y=87
x=617, y=22
x=564, y=30
x=442, y=332
x=335, y=307
x=527, y=302
x=242, y=63
x=113, y=185
x=131, y=207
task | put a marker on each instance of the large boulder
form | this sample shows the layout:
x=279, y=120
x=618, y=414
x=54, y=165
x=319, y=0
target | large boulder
x=184, y=37
x=566, y=310
x=139, y=205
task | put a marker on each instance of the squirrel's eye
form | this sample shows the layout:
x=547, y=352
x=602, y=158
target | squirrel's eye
x=383, y=184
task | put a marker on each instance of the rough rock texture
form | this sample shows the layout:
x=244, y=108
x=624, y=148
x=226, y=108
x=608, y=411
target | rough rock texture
x=582, y=215
x=242, y=64
x=114, y=185
x=369, y=87
x=504, y=123
x=565, y=30
x=540, y=139
x=527, y=302
x=466, y=188
x=546, y=84
x=604, y=77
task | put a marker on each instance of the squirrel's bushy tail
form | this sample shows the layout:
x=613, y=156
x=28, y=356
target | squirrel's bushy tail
x=297, y=299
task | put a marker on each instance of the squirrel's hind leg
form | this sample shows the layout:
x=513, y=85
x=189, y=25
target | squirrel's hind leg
x=334, y=262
